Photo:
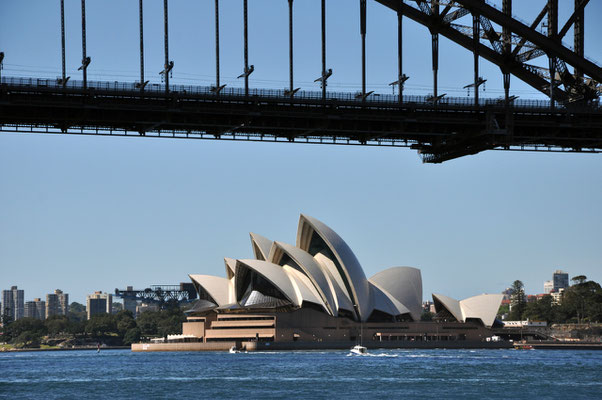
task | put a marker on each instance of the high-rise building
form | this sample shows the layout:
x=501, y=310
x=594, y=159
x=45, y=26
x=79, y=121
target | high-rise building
x=560, y=279
x=13, y=303
x=99, y=303
x=35, y=309
x=548, y=287
x=57, y=303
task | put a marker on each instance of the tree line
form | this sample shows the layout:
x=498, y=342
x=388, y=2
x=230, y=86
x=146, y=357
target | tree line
x=112, y=329
x=579, y=303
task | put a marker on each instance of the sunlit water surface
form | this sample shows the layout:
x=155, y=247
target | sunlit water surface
x=467, y=374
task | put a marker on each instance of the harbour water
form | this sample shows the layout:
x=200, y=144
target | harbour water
x=467, y=374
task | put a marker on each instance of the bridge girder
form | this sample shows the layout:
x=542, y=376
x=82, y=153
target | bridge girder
x=510, y=62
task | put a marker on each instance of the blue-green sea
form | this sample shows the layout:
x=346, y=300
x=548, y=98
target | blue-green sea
x=383, y=374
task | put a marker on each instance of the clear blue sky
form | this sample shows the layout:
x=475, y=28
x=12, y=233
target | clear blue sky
x=85, y=214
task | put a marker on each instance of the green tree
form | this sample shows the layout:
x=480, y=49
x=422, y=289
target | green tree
x=101, y=325
x=517, y=301
x=57, y=324
x=427, y=316
x=148, y=322
x=77, y=312
x=125, y=322
x=541, y=310
x=16, y=328
x=579, y=279
x=132, y=336
x=28, y=339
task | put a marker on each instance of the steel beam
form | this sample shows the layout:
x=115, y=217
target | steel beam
x=323, y=24
x=551, y=46
x=507, y=38
x=476, y=35
x=400, y=81
x=63, y=69
x=141, y=16
x=85, y=62
x=579, y=33
x=363, y=36
x=290, y=46
x=217, y=83
x=166, y=69
x=552, y=34
x=577, y=15
x=246, y=45
x=521, y=71
x=435, y=46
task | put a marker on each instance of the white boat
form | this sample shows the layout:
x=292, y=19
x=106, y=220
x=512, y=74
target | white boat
x=233, y=349
x=359, y=350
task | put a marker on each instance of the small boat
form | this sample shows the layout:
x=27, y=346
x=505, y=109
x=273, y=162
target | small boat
x=359, y=350
x=233, y=350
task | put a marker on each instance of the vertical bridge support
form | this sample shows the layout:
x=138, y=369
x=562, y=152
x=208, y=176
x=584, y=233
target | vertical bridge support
x=85, y=58
x=579, y=34
x=400, y=77
x=323, y=16
x=141, y=16
x=507, y=37
x=246, y=46
x=363, y=35
x=290, y=47
x=476, y=37
x=435, y=48
x=553, y=34
x=168, y=65
x=217, y=83
x=63, y=69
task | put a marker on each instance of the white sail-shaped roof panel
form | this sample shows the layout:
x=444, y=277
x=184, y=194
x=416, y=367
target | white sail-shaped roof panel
x=403, y=283
x=304, y=287
x=351, y=271
x=451, y=305
x=217, y=287
x=341, y=297
x=261, y=246
x=483, y=307
x=230, y=267
x=230, y=274
x=275, y=274
x=384, y=302
x=312, y=268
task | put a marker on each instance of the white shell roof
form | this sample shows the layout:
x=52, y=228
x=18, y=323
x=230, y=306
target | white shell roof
x=385, y=302
x=230, y=267
x=312, y=268
x=354, y=276
x=452, y=305
x=405, y=285
x=215, y=286
x=484, y=306
x=261, y=246
x=304, y=287
x=341, y=297
x=273, y=273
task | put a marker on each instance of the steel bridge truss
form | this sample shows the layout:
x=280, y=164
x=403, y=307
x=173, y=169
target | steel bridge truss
x=439, y=128
x=516, y=44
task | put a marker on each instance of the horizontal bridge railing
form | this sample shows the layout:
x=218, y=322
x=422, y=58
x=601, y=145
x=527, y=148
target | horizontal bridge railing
x=375, y=99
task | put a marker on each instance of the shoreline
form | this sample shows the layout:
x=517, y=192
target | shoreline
x=78, y=348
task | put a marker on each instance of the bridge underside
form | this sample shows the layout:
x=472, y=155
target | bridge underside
x=439, y=132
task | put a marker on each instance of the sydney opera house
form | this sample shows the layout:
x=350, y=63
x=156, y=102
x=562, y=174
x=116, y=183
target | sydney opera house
x=316, y=291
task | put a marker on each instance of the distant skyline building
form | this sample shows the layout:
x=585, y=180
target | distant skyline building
x=99, y=303
x=57, y=303
x=560, y=279
x=548, y=287
x=13, y=303
x=35, y=309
